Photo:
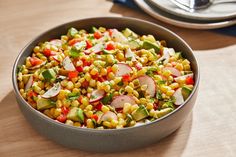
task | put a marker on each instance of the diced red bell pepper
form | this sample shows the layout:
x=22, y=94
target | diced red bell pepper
x=99, y=106
x=95, y=77
x=64, y=110
x=88, y=44
x=110, y=31
x=189, y=80
x=79, y=69
x=35, y=61
x=62, y=118
x=126, y=78
x=109, y=69
x=72, y=74
x=73, y=41
x=110, y=46
x=97, y=35
x=32, y=93
x=85, y=84
x=80, y=98
x=155, y=106
x=95, y=117
x=47, y=52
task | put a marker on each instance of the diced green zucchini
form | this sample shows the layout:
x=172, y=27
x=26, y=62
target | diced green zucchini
x=72, y=32
x=168, y=104
x=73, y=115
x=186, y=91
x=108, y=51
x=133, y=44
x=80, y=114
x=129, y=33
x=49, y=74
x=140, y=113
x=163, y=112
x=25, y=78
x=149, y=45
x=93, y=29
x=43, y=104
x=128, y=119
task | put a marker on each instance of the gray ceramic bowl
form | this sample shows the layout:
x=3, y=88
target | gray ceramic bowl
x=109, y=140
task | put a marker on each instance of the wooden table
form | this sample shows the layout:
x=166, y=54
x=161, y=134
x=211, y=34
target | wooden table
x=209, y=131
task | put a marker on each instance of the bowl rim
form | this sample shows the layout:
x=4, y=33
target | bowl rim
x=102, y=131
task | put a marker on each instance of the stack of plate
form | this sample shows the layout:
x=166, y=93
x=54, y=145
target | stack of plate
x=215, y=16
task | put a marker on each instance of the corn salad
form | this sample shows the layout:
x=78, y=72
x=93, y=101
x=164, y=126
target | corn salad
x=105, y=78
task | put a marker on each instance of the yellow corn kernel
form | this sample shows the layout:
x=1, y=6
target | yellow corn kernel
x=52, y=110
x=89, y=108
x=115, y=93
x=103, y=72
x=75, y=103
x=152, y=113
x=69, y=122
x=110, y=58
x=92, y=83
x=114, y=68
x=78, y=85
x=181, y=80
x=70, y=85
x=89, y=90
x=77, y=124
x=94, y=71
x=144, y=87
x=142, y=72
x=142, y=100
x=143, y=60
x=187, y=67
x=47, y=113
x=64, y=83
x=88, y=113
x=136, y=100
x=107, y=124
x=121, y=122
x=174, y=85
x=170, y=78
x=75, y=90
x=170, y=92
x=126, y=108
x=132, y=123
x=129, y=89
x=185, y=62
x=21, y=84
x=179, y=66
x=120, y=56
x=135, y=93
x=149, y=106
x=119, y=115
x=105, y=109
x=57, y=112
x=166, y=73
x=164, y=88
x=117, y=79
x=36, y=49
x=107, y=88
x=86, y=69
x=114, y=123
x=66, y=103
x=111, y=75
x=119, y=126
x=87, y=77
x=27, y=62
x=158, y=77
x=134, y=107
x=85, y=101
x=64, y=37
x=58, y=103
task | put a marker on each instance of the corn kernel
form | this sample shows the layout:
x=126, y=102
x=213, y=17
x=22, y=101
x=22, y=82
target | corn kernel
x=64, y=83
x=149, y=106
x=135, y=93
x=126, y=108
x=120, y=56
x=114, y=123
x=36, y=49
x=85, y=101
x=179, y=66
x=111, y=75
x=166, y=73
x=107, y=88
x=58, y=103
x=77, y=124
x=70, y=85
x=107, y=124
x=170, y=92
x=69, y=122
x=78, y=85
x=142, y=100
x=89, y=108
x=144, y=87
x=88, y=113
x=187, y=67
x=128, y=89
x=87, y=77
x=152, y=112
x=66, y=103
x=94, y=71
x=132, y=123
x=174, y=85
x=134, y=107
x=105, y=109
x=110, y=58
x=75, y=103
x=57, y=112
x=114, y=68
x=117, y=79
x=119, y=126
x=64, y=37
x=103, y=72
x=185, y=62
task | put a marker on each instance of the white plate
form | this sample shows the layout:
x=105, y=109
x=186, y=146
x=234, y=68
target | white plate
x=214, y=12
x=179, y=21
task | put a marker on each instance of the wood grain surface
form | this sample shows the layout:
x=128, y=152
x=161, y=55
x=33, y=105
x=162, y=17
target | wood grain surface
x=209, y=131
